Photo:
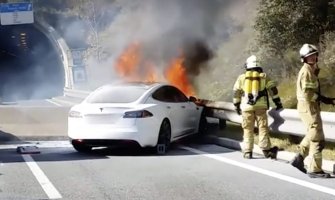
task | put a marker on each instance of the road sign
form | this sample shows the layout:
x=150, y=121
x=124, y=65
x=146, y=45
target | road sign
x=79, y=74
x=77, y=56
x=17, y=13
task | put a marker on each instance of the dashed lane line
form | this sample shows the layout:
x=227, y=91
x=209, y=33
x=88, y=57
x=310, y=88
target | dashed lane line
x=43, y=180
x=263, y=171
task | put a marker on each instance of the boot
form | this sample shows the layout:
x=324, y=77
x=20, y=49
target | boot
x=298, y=162
x=321, y=174
x=271, y=153
x=247, y=155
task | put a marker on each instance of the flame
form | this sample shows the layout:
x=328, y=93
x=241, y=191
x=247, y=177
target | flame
x=176, y=75
x=151, y=74
x=130, y=66
x=128, y=62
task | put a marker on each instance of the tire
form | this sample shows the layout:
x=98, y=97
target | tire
x=222, y=124
x=203, y=126
x=164, y=138
x=81, y=147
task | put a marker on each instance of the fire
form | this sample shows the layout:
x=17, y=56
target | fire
x=127, y=64
x=176, y=75
x=130, y=66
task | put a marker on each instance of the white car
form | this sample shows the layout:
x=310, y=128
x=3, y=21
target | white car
x=150, y=115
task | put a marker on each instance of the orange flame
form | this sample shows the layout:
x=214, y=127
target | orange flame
x=128, y=62
x=176, y=75
x=131, y=67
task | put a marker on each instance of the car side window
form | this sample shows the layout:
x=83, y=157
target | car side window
x=163, y=94
x=178, y=95
x=169, y=94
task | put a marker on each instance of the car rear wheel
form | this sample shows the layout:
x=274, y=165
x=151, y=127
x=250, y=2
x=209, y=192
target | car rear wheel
x=164, y=138
x=81, y=147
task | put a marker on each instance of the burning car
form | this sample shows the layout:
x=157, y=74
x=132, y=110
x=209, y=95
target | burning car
x=148, y=114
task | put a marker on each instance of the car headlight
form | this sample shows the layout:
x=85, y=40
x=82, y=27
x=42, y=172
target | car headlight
x=75, y=114
x=137, y=114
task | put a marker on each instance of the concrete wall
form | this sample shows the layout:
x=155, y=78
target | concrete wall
x=62, y=48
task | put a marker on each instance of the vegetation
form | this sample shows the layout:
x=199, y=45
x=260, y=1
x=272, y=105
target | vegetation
x=288, y=24
x=283, y=26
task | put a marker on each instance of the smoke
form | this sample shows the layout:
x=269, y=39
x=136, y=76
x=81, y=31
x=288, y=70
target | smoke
x=198, y=30
x=166, y=30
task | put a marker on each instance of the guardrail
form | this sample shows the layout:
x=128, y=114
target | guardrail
x=286, y=121
x=76, y=93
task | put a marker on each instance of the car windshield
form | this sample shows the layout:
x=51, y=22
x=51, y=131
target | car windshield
x=117, y=94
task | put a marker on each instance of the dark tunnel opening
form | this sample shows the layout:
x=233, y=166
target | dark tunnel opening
x=30, y=67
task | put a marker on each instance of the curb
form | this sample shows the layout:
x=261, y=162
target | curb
x=327, y=165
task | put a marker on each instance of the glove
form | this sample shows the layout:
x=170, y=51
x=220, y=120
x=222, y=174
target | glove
x=279, y=105
x=238, y=108
x=325, y=100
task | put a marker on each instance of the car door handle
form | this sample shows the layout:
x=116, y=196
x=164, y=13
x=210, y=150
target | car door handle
x=168, y=107
x=183, y=107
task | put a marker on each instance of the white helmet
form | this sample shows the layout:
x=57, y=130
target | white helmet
x=251, y=62
x=307, y=50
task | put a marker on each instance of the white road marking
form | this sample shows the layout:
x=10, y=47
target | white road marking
x=47, y=186
x=39, y=144
x=57, y=104
x=264, y=171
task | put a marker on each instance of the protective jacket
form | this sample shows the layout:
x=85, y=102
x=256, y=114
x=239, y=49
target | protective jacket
x=252, y=88
x=308, y=86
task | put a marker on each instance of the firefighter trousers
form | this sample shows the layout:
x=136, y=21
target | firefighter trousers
x=248, y=124
x=314, y=141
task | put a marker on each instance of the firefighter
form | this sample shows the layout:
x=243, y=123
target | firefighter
x=251, y=99
x=309, y=98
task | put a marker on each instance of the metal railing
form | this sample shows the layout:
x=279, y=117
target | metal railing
x=76, y=93
x=286, y=121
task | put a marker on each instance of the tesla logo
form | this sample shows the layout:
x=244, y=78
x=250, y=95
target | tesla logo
x=101, y=109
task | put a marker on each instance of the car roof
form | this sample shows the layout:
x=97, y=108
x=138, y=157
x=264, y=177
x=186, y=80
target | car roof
x=145, y=85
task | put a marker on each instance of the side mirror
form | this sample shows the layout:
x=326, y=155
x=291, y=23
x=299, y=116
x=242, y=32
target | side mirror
x=192, y=98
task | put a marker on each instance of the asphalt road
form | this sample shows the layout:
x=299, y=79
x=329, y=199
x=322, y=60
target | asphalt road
x=33, y=119
x=191, y=170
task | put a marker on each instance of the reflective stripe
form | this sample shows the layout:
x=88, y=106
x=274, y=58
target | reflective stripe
x=271, y=84
x=275, y=96
x=237, y=100
x=311, y=85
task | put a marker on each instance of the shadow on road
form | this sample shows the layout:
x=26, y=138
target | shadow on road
x=6, y=137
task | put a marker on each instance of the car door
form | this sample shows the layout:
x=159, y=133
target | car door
x=180, y=114
x=189, y=111
x=166, y=98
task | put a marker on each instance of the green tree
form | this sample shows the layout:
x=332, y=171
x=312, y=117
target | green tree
x=283, y=24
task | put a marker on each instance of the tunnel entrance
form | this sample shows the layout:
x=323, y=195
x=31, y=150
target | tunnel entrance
x=30, y=67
